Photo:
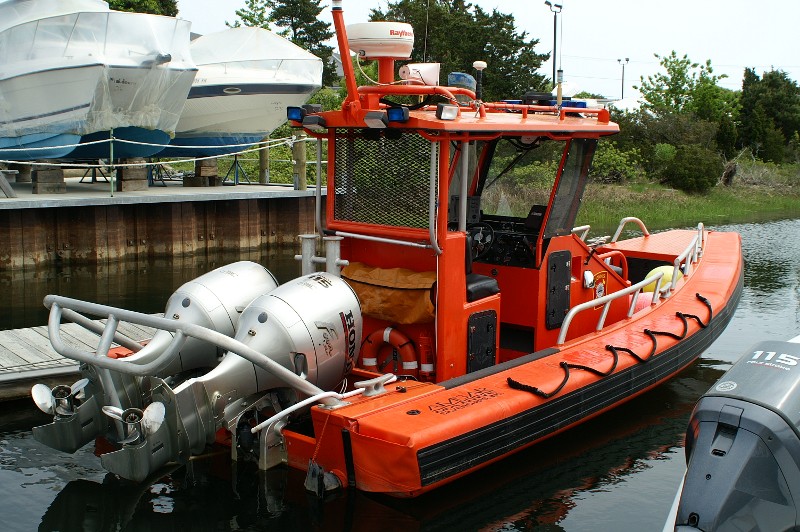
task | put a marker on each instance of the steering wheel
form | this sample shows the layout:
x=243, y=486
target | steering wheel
x=482, y=236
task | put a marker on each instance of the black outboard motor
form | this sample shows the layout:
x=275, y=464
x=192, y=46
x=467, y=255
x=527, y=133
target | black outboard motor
x=743, y=447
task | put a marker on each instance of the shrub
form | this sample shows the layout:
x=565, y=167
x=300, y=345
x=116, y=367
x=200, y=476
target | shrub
x=662, y=157
x=663, y=154
x=612, y=165
x=694, y=169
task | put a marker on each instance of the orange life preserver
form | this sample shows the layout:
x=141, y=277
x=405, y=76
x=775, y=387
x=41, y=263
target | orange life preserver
x=399, y=341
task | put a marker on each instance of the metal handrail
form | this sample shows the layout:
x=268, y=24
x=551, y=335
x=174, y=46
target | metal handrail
x=181, y=330
x=688, y=257
x=625, y=221
x=583, y=230
x=606, y=302
x=432, y=199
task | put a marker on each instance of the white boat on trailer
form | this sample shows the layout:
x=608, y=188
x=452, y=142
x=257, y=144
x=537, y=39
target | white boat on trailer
x=74, y=71
x=246, y=79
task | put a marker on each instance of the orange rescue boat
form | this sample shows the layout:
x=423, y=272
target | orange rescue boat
x=479, y=328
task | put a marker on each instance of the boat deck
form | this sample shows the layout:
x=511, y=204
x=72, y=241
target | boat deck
x=26, y=356
x=664, y=246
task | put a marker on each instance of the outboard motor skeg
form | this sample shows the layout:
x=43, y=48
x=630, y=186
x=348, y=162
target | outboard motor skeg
x=743, y=446
x=310, y=326
x=214, y=300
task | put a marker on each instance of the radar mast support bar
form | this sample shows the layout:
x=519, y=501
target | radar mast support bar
x=351, y=102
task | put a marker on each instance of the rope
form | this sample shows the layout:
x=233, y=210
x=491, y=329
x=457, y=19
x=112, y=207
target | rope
x=261, y=145
x=319, y=440
x=536, y=391
x=42, y=148
x=681, y=336
x=566, y=366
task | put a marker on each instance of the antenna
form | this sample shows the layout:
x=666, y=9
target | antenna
x=479, y=66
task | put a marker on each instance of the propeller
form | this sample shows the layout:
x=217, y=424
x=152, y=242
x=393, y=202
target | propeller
x=78, y=387
x=60, y=400
x=138, y=424
x=43, y=397
x=153, y=417
x=113, y=412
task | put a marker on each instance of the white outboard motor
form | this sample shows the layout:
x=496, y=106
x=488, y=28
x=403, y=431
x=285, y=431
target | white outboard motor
x=214, y=300
x=303, y=335
x=743, y=447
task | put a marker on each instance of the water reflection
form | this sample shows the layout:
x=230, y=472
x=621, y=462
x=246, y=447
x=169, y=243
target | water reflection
x=537, y=489
x=143, y=286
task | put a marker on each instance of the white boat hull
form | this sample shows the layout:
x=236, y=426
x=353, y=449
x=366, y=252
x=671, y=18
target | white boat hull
x=256, y=108
x=137, y=75
x=29, y=113
x=246, y=79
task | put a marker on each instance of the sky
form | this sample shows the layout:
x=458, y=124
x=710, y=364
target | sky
x=594, y=34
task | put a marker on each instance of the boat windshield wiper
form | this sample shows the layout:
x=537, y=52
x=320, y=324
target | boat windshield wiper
x=510, y=165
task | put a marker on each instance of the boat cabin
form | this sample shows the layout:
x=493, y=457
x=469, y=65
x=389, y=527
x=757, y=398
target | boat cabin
x=448, y=246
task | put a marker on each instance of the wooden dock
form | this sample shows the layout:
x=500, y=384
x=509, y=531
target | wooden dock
x=26, y=356
x=88, y=223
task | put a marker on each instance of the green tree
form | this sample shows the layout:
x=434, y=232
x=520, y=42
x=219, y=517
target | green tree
x=253, y=14
x=299, y=22
x=685, y=105
x=589, y=95
x=455, y=33
x=770, y=115
x=687, y=87
x=155, y=7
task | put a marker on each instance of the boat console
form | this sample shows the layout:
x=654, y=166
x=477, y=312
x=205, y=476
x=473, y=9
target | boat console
x=506, y=240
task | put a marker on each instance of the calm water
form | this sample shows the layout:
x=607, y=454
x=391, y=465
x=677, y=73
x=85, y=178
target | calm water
x=617, y=472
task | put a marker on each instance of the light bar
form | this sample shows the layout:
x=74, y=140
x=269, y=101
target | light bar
x=376, y=120
x=295, y=114
x=315, y=123
x=397, y=114
x=446, y=111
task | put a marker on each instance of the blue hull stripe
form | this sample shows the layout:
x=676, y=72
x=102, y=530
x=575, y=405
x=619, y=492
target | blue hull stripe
x=248, y=89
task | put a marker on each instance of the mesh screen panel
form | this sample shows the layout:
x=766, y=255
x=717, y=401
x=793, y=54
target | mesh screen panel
x=382, y=181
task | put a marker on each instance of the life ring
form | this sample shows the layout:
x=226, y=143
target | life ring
x=399, y=341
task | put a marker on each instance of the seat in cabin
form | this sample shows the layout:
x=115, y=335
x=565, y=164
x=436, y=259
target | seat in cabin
x=478, y=286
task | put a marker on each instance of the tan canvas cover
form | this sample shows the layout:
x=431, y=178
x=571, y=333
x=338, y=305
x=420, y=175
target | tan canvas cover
x=396, y=295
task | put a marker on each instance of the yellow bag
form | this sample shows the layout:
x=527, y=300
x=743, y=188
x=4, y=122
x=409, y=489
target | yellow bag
x=396, y=295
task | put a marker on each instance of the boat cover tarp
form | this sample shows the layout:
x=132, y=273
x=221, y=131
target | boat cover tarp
x=259, y=49
x=142, y=72
x=14, y=12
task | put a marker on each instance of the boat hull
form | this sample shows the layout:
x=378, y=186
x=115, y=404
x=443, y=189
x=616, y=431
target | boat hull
x=209, y=145
x=86, y=73
x=216, y=122
x=246, y=79
x=140, y=105
x=148, y=142
x=34, y=124
x=414, y=440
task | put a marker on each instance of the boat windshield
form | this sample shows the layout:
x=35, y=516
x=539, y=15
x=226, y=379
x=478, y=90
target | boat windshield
x=520, y=173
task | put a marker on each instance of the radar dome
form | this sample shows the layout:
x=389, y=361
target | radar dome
x=394, y=40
